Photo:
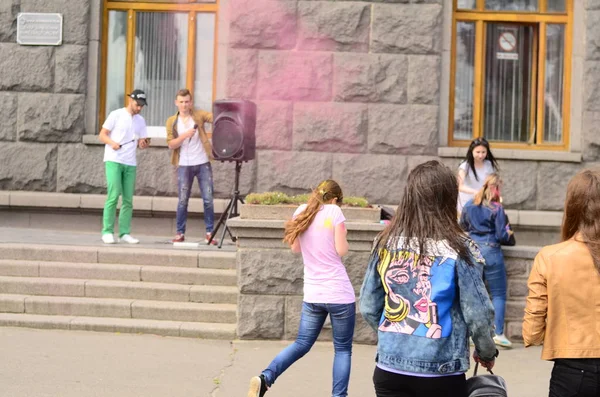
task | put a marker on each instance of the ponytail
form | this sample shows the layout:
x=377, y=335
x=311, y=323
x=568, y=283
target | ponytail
x=325, y=192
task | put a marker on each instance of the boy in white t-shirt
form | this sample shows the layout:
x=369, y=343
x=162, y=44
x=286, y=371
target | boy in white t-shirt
x=122, y=132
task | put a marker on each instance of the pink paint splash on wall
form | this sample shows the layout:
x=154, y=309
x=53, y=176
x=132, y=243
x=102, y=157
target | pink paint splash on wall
x=281, y=55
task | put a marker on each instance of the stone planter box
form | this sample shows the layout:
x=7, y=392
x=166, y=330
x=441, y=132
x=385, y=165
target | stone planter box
x=285, y=212
x=270, y=278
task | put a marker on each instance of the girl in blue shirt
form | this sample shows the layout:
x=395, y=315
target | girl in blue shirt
x=484, y=219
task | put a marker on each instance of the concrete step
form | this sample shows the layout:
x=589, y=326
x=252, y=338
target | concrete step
x=61, y=253
x=99, y=271
x=214, y=294
x=217, y=259
x=117, y=289
x=130, y=255
x=167, y=257
x=119, y=308
x=124, y=325
x=202, y=276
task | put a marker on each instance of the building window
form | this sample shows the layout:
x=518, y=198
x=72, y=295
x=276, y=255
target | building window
x=510, y=66
x=159, y=48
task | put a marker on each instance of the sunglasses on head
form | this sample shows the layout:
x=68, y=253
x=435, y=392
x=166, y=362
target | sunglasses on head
x=479, y=141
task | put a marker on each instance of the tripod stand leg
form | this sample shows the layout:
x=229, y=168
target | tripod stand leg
x=221, y=221
x=231, y=210
x=234, y=239
x=225, y=224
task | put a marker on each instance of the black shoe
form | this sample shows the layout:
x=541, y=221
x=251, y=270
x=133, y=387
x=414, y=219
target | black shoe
x=258, y=386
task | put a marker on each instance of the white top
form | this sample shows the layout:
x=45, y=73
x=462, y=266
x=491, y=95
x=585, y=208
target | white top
x=471, y=182
x=191, y=151
x=123, y=129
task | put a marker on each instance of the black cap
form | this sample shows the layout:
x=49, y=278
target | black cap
x=139, y=96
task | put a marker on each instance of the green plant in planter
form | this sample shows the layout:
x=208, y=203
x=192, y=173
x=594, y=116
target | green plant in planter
x=274, y=198
x=299, y=199
x=360, y=202
x=267, y=198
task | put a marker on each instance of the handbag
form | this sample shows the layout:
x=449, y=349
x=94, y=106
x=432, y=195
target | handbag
x=486, y=385
x=511, y=240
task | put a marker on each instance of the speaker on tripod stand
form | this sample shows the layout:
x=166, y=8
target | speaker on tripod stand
x=233, y=139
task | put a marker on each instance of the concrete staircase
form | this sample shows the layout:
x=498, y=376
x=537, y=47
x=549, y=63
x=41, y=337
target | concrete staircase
x=119, y=289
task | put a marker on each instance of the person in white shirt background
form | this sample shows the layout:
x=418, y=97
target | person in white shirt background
x=123, y=131
x=472, y=172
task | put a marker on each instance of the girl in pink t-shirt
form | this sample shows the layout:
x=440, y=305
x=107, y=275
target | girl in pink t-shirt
x=318, y=231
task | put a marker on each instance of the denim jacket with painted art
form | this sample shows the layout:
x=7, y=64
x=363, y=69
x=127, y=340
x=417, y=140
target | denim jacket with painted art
x=424, y=309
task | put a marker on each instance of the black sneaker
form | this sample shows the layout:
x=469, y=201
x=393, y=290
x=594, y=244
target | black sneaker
x=258, y=386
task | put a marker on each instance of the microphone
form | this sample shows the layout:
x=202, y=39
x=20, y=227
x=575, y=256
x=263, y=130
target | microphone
x=195, y=128
x=126, y=143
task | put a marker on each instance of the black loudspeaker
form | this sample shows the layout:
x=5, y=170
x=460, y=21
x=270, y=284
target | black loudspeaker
x=233, y=137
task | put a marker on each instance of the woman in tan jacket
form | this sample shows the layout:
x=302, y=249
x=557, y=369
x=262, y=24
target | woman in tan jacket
x=563, y=306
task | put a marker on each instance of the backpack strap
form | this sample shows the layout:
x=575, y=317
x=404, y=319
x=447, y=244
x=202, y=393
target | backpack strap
x=477, y=367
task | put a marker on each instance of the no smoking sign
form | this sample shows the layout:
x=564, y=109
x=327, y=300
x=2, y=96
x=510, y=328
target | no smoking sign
x=507, y=41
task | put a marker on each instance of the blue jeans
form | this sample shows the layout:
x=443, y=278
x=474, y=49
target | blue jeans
x=185, y=180
x=311, y=323
x=494, y=272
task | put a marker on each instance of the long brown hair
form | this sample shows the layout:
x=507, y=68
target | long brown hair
x=582, y=211
x=325, y=192
x=489, y=192
x=428, y=210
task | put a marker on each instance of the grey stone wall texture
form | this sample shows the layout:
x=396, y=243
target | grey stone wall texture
x=270, y=280
x=349, y=90
x=518, y=266
x=42, y=101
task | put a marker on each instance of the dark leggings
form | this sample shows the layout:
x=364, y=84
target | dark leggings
x=389, y=384
x=575, y=377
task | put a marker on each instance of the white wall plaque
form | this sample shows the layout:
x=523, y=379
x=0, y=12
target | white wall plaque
x=35, y=28
x=511, y=56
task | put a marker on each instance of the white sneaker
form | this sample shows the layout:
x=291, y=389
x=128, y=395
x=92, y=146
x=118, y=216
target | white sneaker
x=108, y=238
x=502, y=341
x=126, y=238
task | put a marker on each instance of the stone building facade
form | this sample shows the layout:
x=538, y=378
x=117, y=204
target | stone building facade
x=353, y=90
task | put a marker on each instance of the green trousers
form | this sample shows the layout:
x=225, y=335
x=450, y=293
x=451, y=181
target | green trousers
x=120, y=181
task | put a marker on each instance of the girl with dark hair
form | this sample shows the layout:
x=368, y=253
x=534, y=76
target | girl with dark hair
x=479, y=164
x=318, y=231
x=562, y=310
x=486, y=222
x=424, y=295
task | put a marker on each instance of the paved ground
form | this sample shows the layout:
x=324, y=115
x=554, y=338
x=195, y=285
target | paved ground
x=52, y=226
x=52, y=363
x=78, y=238
x=56, y=363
